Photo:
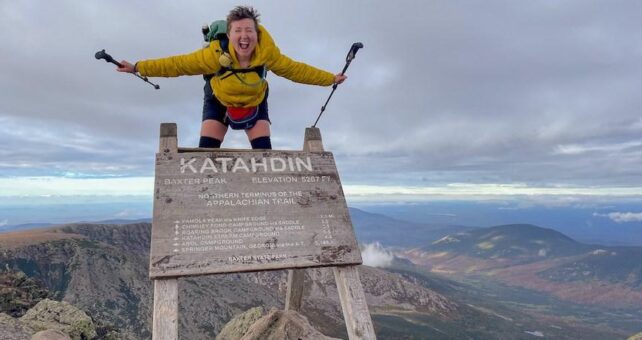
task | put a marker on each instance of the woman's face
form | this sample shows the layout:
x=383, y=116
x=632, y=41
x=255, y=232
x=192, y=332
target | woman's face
x=243, y=37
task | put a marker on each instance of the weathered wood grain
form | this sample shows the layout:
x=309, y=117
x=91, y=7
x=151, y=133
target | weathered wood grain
x=312, y=142
x=168, y=137
x=233, y=211
x=353, y=303
x=165, y=319
x=294, y=293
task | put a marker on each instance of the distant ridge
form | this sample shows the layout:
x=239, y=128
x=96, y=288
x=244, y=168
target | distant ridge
x=512, y=241
x=37, y=225
x=369, y=227
x=391, y=232
x=25, y=226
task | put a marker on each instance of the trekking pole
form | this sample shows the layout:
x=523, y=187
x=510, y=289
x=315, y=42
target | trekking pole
x=353, y=51
x=103, y=55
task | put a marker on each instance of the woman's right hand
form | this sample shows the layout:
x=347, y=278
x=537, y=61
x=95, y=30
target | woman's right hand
x=339, y=78
x=126, y=67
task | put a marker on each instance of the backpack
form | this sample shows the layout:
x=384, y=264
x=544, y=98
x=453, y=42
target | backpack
x=217, y=30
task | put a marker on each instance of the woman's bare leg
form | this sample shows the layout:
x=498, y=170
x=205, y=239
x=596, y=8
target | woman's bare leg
x=260, y=129
x=213, y=129
x=259, y=135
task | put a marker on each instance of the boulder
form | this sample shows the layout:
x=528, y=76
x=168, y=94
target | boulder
x=636, y=337
x=50, y=334
x=12, y=329
x=18, y=293
x=275, y=325
x=238, y=326
x=62, y=316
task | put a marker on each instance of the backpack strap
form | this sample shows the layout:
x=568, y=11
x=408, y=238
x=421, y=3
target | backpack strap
x=225, y=44
x=225, y=72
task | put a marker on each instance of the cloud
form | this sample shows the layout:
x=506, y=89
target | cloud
x=79, y=184
x=4, y=223
x=128, y=213
x=574, y=149
x=42, y=186
x=492, y=92
x=375, y=255
x=559, y=194
x=622, y=217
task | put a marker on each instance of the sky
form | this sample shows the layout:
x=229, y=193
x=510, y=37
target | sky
x=448, y=99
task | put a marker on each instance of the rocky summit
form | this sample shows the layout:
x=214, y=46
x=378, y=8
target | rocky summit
x=48, y=320
x=256, y=324
x=103, y=271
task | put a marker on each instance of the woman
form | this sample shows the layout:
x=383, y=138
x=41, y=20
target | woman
x=239, y=87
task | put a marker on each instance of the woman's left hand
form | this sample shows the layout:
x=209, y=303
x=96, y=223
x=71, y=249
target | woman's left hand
x=339, y=78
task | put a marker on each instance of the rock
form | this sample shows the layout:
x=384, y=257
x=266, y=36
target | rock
x=18, y=293
x=238, y=326
x=112, y=335
x=276, y=325
x=54, y=315
x=636, y=337
x=50, y=334
x=13, y=329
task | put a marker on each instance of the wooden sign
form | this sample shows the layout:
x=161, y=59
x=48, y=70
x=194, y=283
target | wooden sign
x=235, y=211
x=302, y=203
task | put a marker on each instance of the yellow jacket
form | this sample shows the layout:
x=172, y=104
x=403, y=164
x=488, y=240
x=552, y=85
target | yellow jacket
x=231, y=91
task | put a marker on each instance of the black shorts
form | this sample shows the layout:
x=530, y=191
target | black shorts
x=213, y=109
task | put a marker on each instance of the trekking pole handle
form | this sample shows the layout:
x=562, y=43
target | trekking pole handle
x=351, y=54
x=103, y=55
x=353, y=51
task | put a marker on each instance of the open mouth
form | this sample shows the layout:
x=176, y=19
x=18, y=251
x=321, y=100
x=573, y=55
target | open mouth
x=244, y=45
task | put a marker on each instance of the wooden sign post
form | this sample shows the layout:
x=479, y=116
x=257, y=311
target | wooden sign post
x=228, y=211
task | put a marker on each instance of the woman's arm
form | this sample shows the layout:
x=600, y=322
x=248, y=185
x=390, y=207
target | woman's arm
x=202, y=61
x=299, y=72
x=296, y=71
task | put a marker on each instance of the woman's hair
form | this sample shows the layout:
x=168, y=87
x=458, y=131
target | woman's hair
x=243, y=12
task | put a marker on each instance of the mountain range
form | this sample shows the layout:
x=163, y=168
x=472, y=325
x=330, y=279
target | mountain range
x=103, y=270
x=540, y=259
x=587, y=223
x=392, y=232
